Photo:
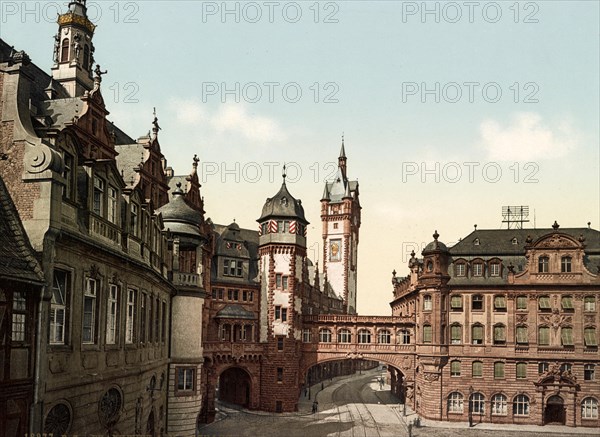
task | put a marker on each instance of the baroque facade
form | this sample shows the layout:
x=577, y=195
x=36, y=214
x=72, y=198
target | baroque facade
x=127, y=311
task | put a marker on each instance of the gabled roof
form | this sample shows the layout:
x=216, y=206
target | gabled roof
x=283, y=205
x=17, y=260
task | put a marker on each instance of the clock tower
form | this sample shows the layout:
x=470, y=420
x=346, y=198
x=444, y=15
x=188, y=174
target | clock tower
x=340, y=216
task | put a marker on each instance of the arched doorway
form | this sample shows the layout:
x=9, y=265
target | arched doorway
x=234, y=386
x=150, y=428
x=555, y=410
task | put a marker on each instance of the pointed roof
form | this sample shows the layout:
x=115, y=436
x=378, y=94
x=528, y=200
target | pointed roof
x=343, y=150
x=283, y=205
x=325, y=195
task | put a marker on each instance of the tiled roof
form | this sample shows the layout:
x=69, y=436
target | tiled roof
x=17, y=261
x=234, y=311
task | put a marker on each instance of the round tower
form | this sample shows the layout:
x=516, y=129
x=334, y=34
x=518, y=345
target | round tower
x=282, y=251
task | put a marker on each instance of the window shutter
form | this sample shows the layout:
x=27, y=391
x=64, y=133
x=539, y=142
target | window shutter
x=521, y=334
x=590, y=337
x=499, y=333
x=500, y=302
x=521, y=370
x=544, y=336
x=567, y=336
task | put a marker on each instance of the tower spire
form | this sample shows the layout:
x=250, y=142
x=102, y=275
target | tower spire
x=342, y=159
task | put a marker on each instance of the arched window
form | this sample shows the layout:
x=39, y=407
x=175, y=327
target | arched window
x=477, y=334
x=477, y=403
x=455, y=368
x=427, y=305
x=565, y=264
x=324, y=335
x=589, y=408
x=364, y=336
x=64, y=52
x=521, y=405
x=455, y=402
x=543, y=262
x=384, y=336
x=499, y=404
x=344, y=336
x=86, y=57
x=455, y=333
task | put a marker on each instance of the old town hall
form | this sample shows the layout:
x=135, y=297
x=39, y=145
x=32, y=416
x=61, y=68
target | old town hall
x=124, y=310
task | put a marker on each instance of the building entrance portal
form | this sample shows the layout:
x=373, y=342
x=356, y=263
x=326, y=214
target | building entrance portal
x=554, y=411
x=234, y=386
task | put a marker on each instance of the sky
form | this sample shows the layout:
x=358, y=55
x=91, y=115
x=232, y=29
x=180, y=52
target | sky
x=449, y=110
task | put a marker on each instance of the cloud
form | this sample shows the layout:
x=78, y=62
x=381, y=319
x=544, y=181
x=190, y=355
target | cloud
x=527, y=138
x=229, y=120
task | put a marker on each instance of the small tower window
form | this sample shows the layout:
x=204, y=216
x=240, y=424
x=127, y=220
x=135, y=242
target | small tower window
x=64, y=52
x=86, y=57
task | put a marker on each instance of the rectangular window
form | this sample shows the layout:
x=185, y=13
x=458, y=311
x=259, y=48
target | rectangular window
x=522, y=335
x=19, y=317
x=499, y=303
x=589, y=303
x=477, y=334
x=544, y=336
x=495, y=269
x=143, y=305
x=279, y=343
x=156, y=320
x=112, y=204
x=456, y=334
x=477, y=369
x=542, y=368
x=521, y=302
x=427, y=334
x=98, y=206
x=456, y=302
x=68, y=175
x=306, y=335
x=244, y=295
x=88, y=333
x=279, y=374
x=130, y=321
x=477, y=302
x=278, y=280
x=163, y=328
x=460, y=269
x=285, y=282
x=112, y=314
x=544, y=303
x=133, y=220
x=284, y=314
x=589, y=337
x=335, y=250
x=427, y=303
x=588, y=372
x=477, y=269
x=455, y=368
x=499, y=334
x=521, y=370
x=567, y=303
x=186, y=379
x=566, y=336
x=150, y=319
x=565, y=264
x=499, y=370
x=59, y=307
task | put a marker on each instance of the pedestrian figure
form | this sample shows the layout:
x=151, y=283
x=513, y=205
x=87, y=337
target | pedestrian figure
x=315, y=407
x=322, y=386
x=305, y=392
x=381, y=381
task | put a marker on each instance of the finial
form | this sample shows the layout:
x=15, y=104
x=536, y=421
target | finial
x=589, y=225
x=99, y=73
x=394, y=273
x=435, y=235
x=475, y=226
x=155, y=126
x=284, y=174
x=412, y=254
x=196, y=160
x=555, y=226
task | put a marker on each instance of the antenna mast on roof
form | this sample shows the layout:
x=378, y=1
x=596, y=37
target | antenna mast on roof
x=515, y=216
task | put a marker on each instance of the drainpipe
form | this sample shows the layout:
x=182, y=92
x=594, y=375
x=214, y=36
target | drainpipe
x=37, y=372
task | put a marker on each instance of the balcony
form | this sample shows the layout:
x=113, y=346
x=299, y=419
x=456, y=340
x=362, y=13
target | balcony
x=105, y=231
x=186, y=280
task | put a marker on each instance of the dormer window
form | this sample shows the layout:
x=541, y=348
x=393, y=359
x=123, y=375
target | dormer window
x=476, y=242
x=478, y=269
x=64, y=51
x=460, y=269
x=112, y=204
x=495, y=269
x=565, y=264
x=543, y=262
x=232, y=267
x=98, y=205
x=514, y=241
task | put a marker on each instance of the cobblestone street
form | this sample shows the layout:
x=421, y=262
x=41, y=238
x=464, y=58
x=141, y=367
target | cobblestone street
x=356, y=406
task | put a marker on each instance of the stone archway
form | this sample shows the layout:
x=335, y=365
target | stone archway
x=235, y=386
x=554, y=412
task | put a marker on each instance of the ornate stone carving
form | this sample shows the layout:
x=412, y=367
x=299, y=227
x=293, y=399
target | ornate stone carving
x=109, y=408
x=58, y=420
x=431, y=377
x=40, y=158
x=556, y=241
x=521, y=318
x=556, y=320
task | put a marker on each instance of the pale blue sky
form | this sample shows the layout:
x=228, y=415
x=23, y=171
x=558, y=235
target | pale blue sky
x=371, y=54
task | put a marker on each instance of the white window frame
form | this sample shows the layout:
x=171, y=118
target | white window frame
x=130, y=318
x=90, y=296
x=98, y=196
x=112, y=314
x=57, y=329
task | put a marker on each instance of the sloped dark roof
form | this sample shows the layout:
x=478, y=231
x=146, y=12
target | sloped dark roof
x=129, y=157
x=249, y=240
x=283, y=205
x=180, y=217
x=337, y=195
x=499, y=241
x=235, y=311
x=17, y=260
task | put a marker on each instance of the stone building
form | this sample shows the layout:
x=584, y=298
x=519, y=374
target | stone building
x=21, y=291
x=505, y=327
